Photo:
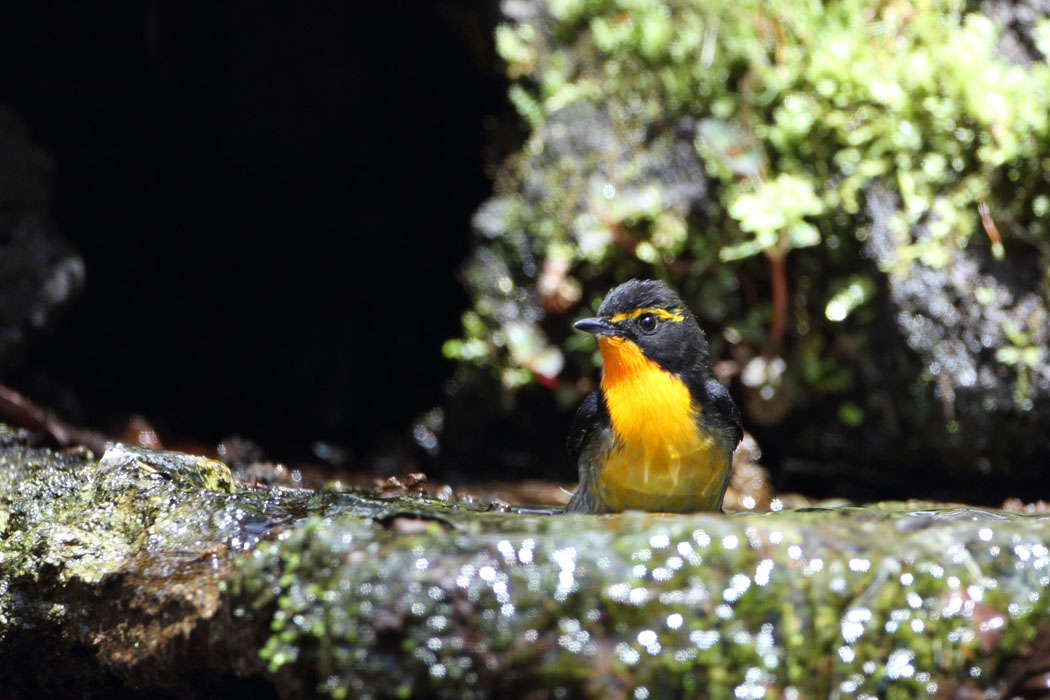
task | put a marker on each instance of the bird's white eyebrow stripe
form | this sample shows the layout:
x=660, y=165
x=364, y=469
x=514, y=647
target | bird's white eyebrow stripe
x=673, y=315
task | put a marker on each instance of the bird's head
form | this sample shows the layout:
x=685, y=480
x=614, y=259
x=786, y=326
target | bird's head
x=649, y=315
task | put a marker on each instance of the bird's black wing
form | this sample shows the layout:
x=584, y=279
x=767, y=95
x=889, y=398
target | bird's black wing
x=590, y=417
x=587, y=438
x=728, y=413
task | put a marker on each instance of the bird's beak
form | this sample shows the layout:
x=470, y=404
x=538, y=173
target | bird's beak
x=596, y=326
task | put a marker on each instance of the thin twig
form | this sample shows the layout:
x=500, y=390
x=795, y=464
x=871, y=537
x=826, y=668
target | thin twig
x=21, y=411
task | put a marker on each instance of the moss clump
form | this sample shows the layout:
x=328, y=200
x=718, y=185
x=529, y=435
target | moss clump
x=732, y=149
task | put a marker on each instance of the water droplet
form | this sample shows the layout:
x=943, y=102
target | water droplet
x=704, y=639
x=853, y=624
x=859, y=565
x=638, y=596
x=737, y=585
x=898, y=665
x=627, y=654
x=762, y=572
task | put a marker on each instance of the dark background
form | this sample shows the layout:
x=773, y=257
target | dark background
x=272, y=204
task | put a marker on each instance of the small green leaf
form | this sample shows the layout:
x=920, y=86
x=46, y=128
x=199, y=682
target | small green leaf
x=803, y=235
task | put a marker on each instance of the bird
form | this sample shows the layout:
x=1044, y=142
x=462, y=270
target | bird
x=658, y=434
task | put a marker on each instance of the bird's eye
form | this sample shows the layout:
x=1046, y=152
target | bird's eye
x=647, y=322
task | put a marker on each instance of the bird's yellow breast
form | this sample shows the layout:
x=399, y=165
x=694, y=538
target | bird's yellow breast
x=661, y=459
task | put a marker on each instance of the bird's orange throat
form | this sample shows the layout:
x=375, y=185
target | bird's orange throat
x=648, y=405
x=661, y=459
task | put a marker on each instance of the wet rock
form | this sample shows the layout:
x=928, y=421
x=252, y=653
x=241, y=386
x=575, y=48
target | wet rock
x=1020, y=21
x=793, y=604
x=39, y=270
x=979, y=333
x=122, y=462
x=136, y=575
x=110, y=570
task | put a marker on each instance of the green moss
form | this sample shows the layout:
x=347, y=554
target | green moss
x=896, y=601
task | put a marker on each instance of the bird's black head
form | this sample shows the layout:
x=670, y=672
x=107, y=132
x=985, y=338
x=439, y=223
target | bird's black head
x=649, y=314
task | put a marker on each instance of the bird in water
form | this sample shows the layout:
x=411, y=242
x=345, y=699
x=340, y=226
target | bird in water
x=658, y=434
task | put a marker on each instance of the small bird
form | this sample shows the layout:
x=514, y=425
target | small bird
x=659, y=432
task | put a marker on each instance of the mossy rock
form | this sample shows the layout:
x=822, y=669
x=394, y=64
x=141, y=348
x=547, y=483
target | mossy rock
x=169, y=586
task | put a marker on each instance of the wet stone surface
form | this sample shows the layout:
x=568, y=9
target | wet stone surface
x=149, y=571
x=891, y=602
